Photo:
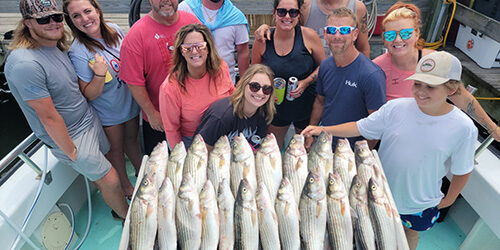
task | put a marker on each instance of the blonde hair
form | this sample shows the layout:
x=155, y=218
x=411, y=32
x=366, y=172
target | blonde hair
x=23, y=38
x=238, y=97
x=179, y=69
x=342, y=12
x=401, y=10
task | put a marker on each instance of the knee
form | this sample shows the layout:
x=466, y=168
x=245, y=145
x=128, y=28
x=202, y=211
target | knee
x=108, y=181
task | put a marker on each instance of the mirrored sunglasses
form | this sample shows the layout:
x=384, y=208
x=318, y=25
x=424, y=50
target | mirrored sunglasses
x=391, y=35
x=189, y=47
x=45, y=20
x=255, y=87
x=281, y=12
x=344, y=30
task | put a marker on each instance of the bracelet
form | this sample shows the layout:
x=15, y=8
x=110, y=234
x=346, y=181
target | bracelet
x=100, y=75
x=494, y=130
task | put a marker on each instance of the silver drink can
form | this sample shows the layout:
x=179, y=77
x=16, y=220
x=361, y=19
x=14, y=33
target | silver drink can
x=292, y=85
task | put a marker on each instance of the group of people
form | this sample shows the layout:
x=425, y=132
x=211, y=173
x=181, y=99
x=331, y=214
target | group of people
x=179, y=68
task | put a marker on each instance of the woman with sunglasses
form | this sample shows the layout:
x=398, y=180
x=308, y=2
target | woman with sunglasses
x=401, y=32
x=248, y=110
x=95, y=55
x=292, y=51
x=198, y=77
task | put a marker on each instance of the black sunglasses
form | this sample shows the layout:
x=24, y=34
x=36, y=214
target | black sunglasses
x=281, y=12
x=255, y=87
x=45, y=20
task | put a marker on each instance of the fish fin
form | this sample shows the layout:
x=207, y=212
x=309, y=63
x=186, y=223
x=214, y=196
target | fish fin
x=287, y=207
x=222, y=162
x=342, y=208
x=299, y=164
x=318, y=209
x=254, y=217
x=388, y=209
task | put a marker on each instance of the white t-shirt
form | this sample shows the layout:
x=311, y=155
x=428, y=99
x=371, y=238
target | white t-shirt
x=417, y=150
x=226, y=38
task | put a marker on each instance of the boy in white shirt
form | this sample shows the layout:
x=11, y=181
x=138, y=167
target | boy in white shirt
x=421, y=139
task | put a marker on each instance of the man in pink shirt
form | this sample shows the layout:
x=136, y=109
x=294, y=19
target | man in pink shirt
x=146, y=54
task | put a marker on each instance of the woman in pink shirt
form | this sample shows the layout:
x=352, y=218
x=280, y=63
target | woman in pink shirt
x=401, y=27
x=197, y=78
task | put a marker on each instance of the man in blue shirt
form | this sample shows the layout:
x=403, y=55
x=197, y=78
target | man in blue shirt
x=350, y=86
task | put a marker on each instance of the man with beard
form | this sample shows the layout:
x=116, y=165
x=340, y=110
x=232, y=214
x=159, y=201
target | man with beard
x=45, y=85
x=229, y=27
x=350, y=86
x=146, y=55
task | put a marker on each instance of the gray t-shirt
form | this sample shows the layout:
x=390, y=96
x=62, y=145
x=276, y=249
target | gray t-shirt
x=34, y=74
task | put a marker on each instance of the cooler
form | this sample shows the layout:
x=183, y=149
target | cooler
x=479, y=47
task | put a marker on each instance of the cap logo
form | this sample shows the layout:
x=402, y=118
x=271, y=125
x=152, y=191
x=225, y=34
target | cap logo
x=45, y=3
x=427, y=65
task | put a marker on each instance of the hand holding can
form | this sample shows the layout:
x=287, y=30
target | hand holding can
x=292, y=85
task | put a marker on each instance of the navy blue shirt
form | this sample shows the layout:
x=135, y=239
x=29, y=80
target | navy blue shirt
x=350, y=91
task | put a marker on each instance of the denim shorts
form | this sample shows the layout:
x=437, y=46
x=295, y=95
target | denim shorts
x=421, y=221
x=91, y=146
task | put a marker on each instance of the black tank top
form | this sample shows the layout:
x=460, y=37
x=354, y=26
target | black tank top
x=299, y=63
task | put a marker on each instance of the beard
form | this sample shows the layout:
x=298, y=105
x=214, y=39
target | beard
x=48, y=35
x=166, y=13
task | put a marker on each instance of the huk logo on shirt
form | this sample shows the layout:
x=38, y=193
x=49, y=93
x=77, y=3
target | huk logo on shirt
x=351, y=84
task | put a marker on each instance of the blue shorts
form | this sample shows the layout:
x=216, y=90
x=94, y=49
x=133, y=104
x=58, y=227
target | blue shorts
x=421, y=221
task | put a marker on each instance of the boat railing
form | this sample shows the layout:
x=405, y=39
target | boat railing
x=21, y=154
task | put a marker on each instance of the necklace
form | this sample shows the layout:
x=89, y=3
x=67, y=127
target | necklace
x=210, y=18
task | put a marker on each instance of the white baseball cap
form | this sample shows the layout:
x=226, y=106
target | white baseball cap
x=437, y=68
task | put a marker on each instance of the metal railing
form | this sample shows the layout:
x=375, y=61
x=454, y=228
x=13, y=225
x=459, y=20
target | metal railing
x=19, y=152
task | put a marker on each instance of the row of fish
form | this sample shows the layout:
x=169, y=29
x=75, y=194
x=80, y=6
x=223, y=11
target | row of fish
x=229, y=197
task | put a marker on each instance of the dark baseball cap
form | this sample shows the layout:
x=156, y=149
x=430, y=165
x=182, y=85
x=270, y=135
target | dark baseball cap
x=38, y=8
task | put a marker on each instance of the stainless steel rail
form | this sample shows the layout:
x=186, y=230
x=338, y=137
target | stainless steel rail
x=18, y=151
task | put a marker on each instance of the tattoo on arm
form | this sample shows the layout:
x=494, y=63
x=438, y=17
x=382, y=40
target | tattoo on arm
x=471, y=110
x=363, y=26
x=314, y=77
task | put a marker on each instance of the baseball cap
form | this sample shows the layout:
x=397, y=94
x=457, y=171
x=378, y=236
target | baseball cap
x=38, y=8
x=437, y=68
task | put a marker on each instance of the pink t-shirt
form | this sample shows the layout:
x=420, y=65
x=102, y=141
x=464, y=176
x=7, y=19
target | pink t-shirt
x=147, y=52
x=396, y=85
x=181, y=112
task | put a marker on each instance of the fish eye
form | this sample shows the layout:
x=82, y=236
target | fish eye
x=357, y=184
x=373, y=187
x=292, y=141
x=323, y=140
x=244, y=190
x=332, y=182
x=311, y=180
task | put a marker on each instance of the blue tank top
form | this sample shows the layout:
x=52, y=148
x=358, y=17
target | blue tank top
x=299, y=63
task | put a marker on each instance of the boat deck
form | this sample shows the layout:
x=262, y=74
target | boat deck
x=105, y=232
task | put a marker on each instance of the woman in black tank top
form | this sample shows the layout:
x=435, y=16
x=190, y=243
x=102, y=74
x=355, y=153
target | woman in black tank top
x=293, y=51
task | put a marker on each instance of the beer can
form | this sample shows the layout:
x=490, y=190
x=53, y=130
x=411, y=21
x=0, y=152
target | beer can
x=291, y=86
x=279, y=87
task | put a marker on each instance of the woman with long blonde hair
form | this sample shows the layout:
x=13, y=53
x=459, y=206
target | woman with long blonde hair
x=198, y=77
x=248, y=110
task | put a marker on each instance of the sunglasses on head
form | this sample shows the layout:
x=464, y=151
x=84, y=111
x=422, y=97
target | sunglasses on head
x=45, y=20
x=255, y=87
x=281, y=12
x=344, y=30
x=188, y=47
x=391, y=35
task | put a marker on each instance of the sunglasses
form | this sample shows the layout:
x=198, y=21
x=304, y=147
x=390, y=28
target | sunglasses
x=281, y=12
x=45, y=20
x=255, y=87
x=344, y=30
x=391, y=35
x=189, y=47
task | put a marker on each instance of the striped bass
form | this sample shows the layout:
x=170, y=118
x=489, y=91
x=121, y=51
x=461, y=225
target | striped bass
x=288, y=217
x=196, y=162
x=167, y=233
x=268, y=221
x=242, y=164
x=157, y=163
x=187, y=215
x=295, y=165
x=382, y=217
x=344, y=163
x=364, y=161
x=321, y=156
x=225, y=201
x=175, y=165
x=313, y=210
x=268, y=166
x=143, y=215
x=363, y=230
x=209, y=217
x=219, y=160
x=339, y=221
x=246, y=223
